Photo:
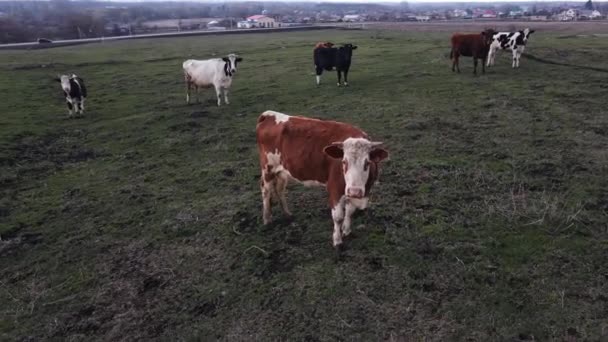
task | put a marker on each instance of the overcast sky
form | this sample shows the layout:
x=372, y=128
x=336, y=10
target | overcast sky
x=352, y=1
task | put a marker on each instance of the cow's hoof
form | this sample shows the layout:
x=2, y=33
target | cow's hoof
x=345, y=84
x=338, y=84
x=338, y=249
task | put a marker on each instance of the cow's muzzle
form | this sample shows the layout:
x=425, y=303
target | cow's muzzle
x=355, y=193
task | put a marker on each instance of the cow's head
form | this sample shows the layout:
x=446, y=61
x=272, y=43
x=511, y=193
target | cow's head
x=357, y=155
x=231, y=62
x=488, y=36
x=348, y=48
x=526, y=33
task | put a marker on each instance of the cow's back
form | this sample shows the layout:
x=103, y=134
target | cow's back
x=325, y=58
x=203, y=73
x=299, y=143
x=468, y=44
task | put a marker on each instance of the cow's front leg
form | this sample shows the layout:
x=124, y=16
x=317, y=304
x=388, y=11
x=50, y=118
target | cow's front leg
x=514, y=58
x=346, y=78
x=82, y=106
x=337, y=214
x=339, y=77
x=218, y=93
x=70, y=107
x=349, y=209
x=225, y=90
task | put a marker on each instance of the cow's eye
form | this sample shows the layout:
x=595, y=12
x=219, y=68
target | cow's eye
x=366, y=165
x=344, y=165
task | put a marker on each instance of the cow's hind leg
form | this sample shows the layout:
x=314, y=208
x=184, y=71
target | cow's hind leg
x=188, y=87
x=281, y=189
x=339, y=77
x=474, y=65
x=266, y=188
x=318, y=72
x=346, y=78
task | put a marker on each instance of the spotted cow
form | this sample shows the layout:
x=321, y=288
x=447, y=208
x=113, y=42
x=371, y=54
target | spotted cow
x=515, y=41
x=215, y=72
x=334, y=155
x=75, y=93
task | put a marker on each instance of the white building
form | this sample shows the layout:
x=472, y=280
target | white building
x=589, y=14
x=352, y=17
x=567, y=15
x=263, y=21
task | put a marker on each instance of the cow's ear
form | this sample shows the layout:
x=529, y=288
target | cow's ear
x=334, y=150
x=57, y=79
x=531, y=31
x=354, y=47
x=239, y=59
x=378, y=154
x=225, y=59
x=483, y=33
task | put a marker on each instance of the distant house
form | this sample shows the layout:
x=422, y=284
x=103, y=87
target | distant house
x=260, y=20
x=567, y=15
x=489, y=14
x=589, y=14
x=352, y=17
x=458, y=13
x=245, y=24
x=423, y=18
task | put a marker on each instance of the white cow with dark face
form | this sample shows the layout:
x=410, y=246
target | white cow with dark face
x=75, y=93
x=516, y=41
x=216, y=72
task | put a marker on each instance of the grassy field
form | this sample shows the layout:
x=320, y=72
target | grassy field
x=142, y=220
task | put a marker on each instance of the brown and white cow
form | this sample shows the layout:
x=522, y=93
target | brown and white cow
x=323, y=45
x=332, y=154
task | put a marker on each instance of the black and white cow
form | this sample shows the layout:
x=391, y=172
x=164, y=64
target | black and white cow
x=75, y=93
x=327, y=58
x=215, y=72
x=516, y=41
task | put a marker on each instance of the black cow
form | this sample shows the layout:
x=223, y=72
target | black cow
x=75, y=92
x=327, y=58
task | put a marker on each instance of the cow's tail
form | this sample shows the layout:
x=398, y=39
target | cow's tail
x=452, y=53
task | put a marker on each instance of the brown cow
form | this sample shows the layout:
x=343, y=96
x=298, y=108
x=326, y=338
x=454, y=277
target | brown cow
x=332, y=154
x=324, y=45
x=471, y=45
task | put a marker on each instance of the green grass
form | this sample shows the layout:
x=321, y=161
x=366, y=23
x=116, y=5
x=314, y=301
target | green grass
x=143, y=219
